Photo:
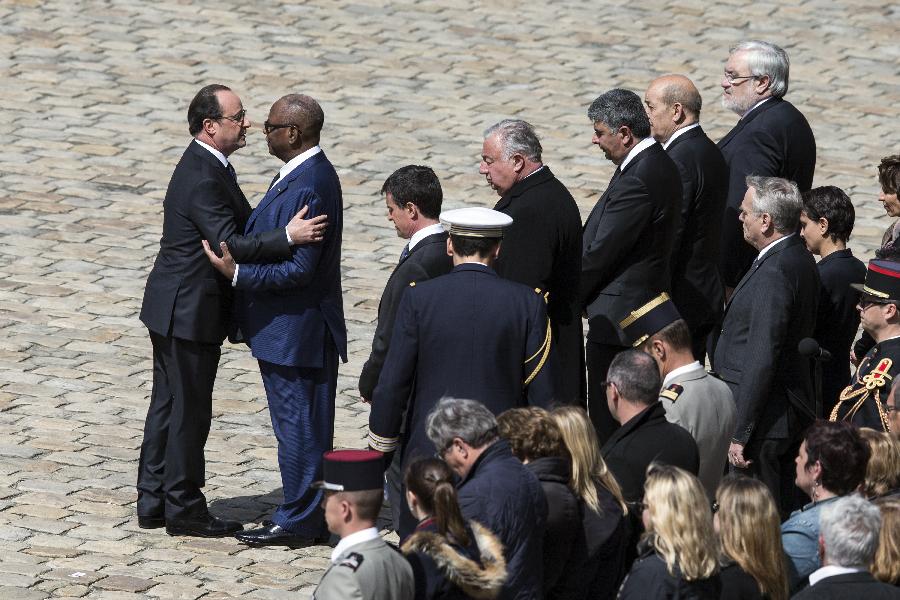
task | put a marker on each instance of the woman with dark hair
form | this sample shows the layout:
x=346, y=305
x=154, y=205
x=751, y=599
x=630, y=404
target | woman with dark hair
x=750, y=553
x=678, y=551
x=450, y=558
x=831, y=463
x=826, y=222
x=535, y=439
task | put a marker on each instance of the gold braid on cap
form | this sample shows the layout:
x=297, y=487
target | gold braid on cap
x=637, y=314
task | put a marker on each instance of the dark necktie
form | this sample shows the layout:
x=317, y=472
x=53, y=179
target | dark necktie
x=274, y=179
x=405, y=253
x=231, y=172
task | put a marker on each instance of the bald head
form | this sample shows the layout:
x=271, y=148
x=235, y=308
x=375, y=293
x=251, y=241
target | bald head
x=673, y=103
x=303, y=111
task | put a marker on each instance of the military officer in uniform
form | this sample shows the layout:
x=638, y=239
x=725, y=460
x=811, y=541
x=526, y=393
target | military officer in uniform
x=467, y=334
x=691, y=397
x=863, y=401
x=363, y=565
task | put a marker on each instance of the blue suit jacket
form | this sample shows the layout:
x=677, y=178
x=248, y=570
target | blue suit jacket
x=286, y=309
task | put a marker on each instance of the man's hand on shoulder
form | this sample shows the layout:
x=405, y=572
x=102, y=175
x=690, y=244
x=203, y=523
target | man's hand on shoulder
x=224, y=265
x=307, y=231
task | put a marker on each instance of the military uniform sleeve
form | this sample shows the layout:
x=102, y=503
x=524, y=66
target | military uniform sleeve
x=339, y=583
x=395, y=384
x=537, y=375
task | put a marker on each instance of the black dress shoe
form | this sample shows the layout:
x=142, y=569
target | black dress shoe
x=151, y=522
x=271, y=534
x=203, y=526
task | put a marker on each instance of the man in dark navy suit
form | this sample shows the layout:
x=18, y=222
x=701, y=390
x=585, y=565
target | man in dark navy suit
x=187, y=309
x=292, y=314
x=542, y=247
x=771, y=310
x=627, y=239
x=467, y=334
x=673, y=106
x=413, y=196
x=772, y=139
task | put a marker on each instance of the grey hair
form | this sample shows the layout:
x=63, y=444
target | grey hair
x=636, y=376
x=468, y=420
x=850, y=527
x=516, y=137
x=619, y=107
x=765, y=58
x=780, y=199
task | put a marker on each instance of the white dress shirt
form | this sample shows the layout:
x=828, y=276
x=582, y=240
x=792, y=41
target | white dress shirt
x=352, y=540
x=639, y=147
x=678, y=132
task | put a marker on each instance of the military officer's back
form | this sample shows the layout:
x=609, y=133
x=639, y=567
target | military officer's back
x=363, y=566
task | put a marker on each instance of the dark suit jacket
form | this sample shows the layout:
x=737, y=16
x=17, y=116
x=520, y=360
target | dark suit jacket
x=287, y=309
x=697, y=289
x=627, y=243
x=185, y=296
x=467, y=334
x=838, y=320
x=542, y=249
x=772, y=309
x=427, y=259
x=774, y=140
x=849, y=586
x=648, y=437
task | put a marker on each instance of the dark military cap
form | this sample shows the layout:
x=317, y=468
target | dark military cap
x=882, y=280
x=352, y=471
x=649, y=319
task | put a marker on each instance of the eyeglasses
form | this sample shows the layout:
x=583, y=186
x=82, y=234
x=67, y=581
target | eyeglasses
x=238, y=117
x=732, y=78
x=865, y=304
x=270, y=127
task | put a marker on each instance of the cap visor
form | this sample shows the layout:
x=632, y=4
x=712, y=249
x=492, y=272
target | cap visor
x=324, y=485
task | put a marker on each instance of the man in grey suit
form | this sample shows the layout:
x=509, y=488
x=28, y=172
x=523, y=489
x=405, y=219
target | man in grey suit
x=362, y=564
x=772, y=308
x=692, y=398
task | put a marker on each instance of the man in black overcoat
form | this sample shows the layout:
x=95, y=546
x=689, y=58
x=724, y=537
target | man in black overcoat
x=627, y=239
x=673, y=106
x=772, y=139
x=542, y=247
x=772, y=308
x=187, y=309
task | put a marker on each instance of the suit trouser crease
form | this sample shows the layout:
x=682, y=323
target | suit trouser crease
x=171, y=469
x=301, y=406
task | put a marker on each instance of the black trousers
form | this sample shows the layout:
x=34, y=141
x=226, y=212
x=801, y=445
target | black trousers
x=598, y=358
x=172, y=469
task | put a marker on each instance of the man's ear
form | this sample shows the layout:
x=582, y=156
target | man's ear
x=763, y=83
x=518, y=162
x=626, y=134
x=677, y=113
x=658, y=349
x=449, y=246
x=412, y=210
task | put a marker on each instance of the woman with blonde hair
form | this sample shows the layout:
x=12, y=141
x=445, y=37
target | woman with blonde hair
x=750, y=552
x=883, y=468
x=677, y=555
x=886, y=566
x=602, y=506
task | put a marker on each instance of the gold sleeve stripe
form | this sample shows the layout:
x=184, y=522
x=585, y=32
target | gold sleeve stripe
x=637, y=314
x=546, y=348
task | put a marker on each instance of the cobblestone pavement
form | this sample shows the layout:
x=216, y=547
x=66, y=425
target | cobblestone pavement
x=94, y=101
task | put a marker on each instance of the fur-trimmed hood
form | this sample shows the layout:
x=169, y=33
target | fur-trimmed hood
x=477, y=581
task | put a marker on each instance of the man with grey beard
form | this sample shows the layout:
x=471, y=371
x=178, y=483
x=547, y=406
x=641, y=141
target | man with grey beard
x=772, y=139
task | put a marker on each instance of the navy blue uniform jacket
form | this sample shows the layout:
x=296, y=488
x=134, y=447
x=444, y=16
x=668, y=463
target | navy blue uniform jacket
x=467, y=334
x=286, y=309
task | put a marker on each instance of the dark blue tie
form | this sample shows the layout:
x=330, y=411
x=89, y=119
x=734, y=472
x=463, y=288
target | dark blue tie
x=405, y=253
x=231, y=172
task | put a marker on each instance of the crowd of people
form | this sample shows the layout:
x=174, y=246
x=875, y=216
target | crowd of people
x=566, y=466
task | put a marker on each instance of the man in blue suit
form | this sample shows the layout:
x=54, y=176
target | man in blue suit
x=292, y=315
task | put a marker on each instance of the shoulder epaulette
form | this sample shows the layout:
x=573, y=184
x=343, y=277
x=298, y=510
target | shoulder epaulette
x=352, y=561
x=541, y=292
x=672, y=392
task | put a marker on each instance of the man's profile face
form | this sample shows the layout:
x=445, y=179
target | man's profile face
x=500, y=172
x=739, y=95
x=230, y=134
x=610, y=142
x=752, y=222
x=659, y=113
x=399, y=216
x=278, y=140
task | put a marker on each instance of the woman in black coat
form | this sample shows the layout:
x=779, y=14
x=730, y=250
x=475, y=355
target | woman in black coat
x=535, y=439
x=677, y=554
x=451, y=559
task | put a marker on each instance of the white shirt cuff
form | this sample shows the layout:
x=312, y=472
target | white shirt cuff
x=288, y=235
x=234, y=279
